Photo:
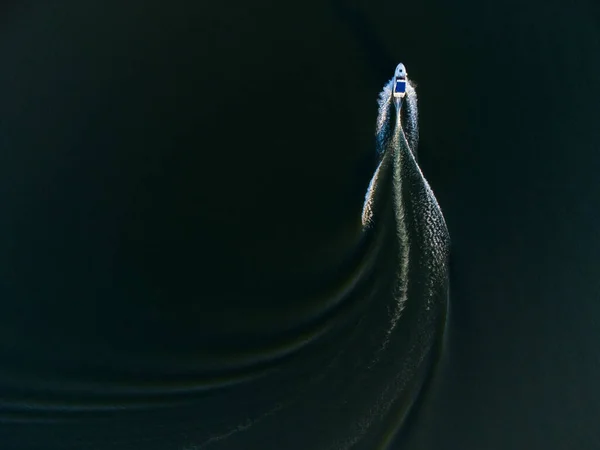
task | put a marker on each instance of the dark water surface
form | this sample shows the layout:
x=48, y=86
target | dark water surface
x=182, y=189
